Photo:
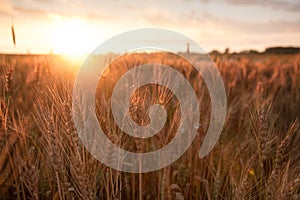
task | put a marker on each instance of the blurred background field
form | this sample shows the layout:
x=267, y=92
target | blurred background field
x=257, y=156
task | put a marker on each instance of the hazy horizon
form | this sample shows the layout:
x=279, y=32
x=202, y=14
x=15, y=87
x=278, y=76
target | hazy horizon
x=222, y=51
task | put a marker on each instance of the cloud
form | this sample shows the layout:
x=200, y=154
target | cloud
x=290, y=5
x=6, y=8
x=276, y=4
x=64, y=8
x=255, y=27
x=97, y=17
x=29, y=11
x=154, y=15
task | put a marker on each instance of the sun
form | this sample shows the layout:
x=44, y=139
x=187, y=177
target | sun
x=72, y=37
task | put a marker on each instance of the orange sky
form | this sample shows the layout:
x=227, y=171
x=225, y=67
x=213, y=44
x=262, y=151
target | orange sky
x=76, y=27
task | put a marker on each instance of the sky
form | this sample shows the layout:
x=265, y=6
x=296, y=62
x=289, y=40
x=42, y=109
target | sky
x=77, y=26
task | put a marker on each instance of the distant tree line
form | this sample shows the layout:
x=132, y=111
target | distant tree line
x=271, y=50
x=283, y=50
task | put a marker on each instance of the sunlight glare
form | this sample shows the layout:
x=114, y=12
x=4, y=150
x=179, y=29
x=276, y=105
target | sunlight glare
x=72, y=37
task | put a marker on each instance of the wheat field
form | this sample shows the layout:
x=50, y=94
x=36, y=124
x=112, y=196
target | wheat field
x=256, y=157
